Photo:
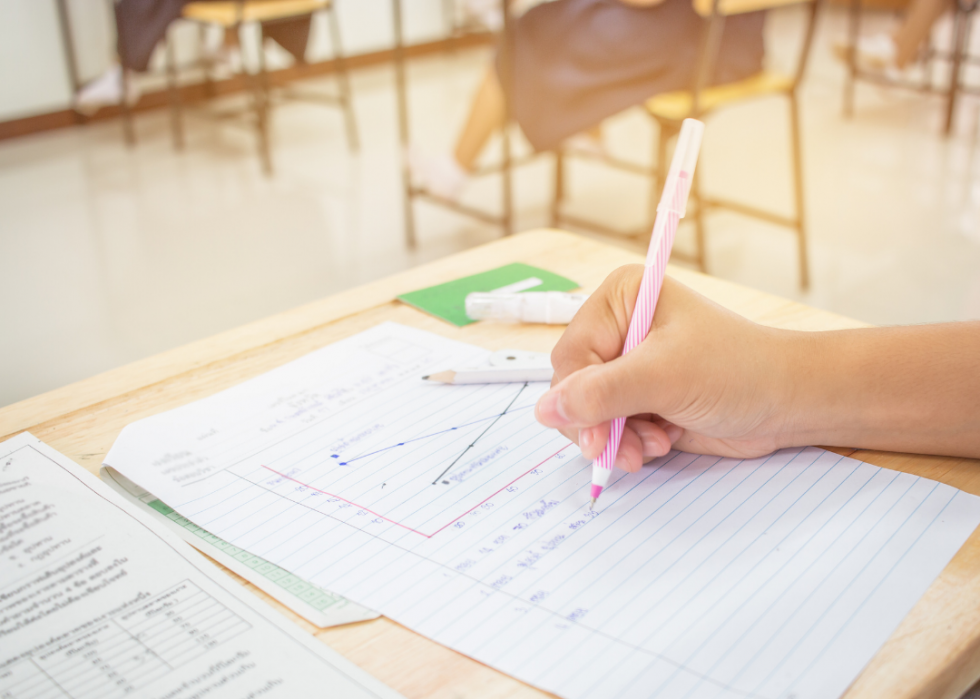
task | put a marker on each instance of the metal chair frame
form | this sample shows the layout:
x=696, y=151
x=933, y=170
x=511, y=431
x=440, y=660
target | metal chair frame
x=262, y=96
x=68, y=47
x=957, y=57
x=668, y=129
x=71, y=68
x=505, y=219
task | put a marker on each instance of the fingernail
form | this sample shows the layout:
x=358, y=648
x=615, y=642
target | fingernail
x=586, y=438
x=549, y=411
x=673, y=432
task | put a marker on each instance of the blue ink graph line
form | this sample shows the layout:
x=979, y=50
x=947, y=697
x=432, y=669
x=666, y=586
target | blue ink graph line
x=426, y=436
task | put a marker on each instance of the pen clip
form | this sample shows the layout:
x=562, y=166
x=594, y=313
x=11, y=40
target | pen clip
x=677, y=184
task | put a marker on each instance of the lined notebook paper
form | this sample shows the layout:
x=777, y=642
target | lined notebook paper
x=450, y=510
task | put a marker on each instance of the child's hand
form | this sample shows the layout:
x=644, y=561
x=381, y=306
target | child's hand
x=704, y=380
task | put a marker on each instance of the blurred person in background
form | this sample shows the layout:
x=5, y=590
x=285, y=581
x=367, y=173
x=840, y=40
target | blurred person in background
x=895, y=52
x=141, y=25
x=578, y=62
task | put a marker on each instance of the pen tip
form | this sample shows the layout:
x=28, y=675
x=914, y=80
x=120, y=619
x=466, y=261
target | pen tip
x=592, y=505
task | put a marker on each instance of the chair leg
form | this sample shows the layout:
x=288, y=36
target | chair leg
x=960, y=23
x=449, y=16
x=797, y=152
x=853, y=30
x=261, y=88
x=343, y=80
x=507, y=219
x=173, y=90
x=68, y=48
x=402, y=100
x=205, y=61
x=129, y=132
x=929, y=71
x=559, y=195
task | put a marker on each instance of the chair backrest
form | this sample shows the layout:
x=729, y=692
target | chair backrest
x=706, y=8
x=237, y=12
x=714, y=13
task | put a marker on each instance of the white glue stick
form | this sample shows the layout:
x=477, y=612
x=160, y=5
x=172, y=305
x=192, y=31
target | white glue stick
x=551, y=307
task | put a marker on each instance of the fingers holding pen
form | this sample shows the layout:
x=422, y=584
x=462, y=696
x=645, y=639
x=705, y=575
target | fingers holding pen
x=592, y=440
x=656, y=434
x=597, y=394
x=597, y=332
x=644, y=438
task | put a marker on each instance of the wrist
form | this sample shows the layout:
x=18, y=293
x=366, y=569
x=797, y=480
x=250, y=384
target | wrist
x=788, y=370
x=914, y=389
x=826, y=376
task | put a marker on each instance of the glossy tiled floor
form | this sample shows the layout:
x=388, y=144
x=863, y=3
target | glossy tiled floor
x=113, y=254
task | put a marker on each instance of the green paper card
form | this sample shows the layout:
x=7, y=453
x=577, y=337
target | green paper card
x=448, y=301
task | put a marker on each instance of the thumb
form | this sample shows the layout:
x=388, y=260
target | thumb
x=599, y=393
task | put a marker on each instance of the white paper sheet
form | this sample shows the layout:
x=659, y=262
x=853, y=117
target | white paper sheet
x=449, y=509
x=318, y=606
x=97, y=601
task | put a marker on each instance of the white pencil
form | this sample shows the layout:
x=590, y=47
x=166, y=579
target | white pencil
x=493, y=375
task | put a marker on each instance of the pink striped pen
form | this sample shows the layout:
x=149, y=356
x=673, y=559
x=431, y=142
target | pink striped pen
x=673, y=203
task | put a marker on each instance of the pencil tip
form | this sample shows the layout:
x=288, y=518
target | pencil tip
x=424, y=378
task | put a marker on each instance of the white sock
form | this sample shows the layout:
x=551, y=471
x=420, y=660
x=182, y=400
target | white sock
x=105, y=90
x=441, y=175
x=485, y=13
x=876, y=51
x=585, y=142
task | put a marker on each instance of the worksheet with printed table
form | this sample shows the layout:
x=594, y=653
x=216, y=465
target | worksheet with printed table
x=97, y=601
x=450, y=510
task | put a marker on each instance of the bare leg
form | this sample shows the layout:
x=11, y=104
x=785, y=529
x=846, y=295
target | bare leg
x=486, y=116
x=922, y=14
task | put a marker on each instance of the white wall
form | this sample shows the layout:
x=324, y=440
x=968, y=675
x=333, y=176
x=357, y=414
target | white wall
x=32, y=68
x=34, y=75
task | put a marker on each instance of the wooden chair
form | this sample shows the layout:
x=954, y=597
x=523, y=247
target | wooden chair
x=956, y=57
x=231, y=15
x=505, y=218
x=668, y=110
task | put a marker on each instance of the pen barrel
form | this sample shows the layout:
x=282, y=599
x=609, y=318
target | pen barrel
x=664, y=230
x=677, y=184
x=673, y=204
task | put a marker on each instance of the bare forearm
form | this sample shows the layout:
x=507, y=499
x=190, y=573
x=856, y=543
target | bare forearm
x=913, y=389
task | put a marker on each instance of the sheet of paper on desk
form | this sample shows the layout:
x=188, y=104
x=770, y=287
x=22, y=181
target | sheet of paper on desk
x=319, y=607
x=449, y=509
x=97, y=601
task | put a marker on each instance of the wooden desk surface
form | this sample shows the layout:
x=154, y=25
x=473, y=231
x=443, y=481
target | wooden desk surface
x=935, y=652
